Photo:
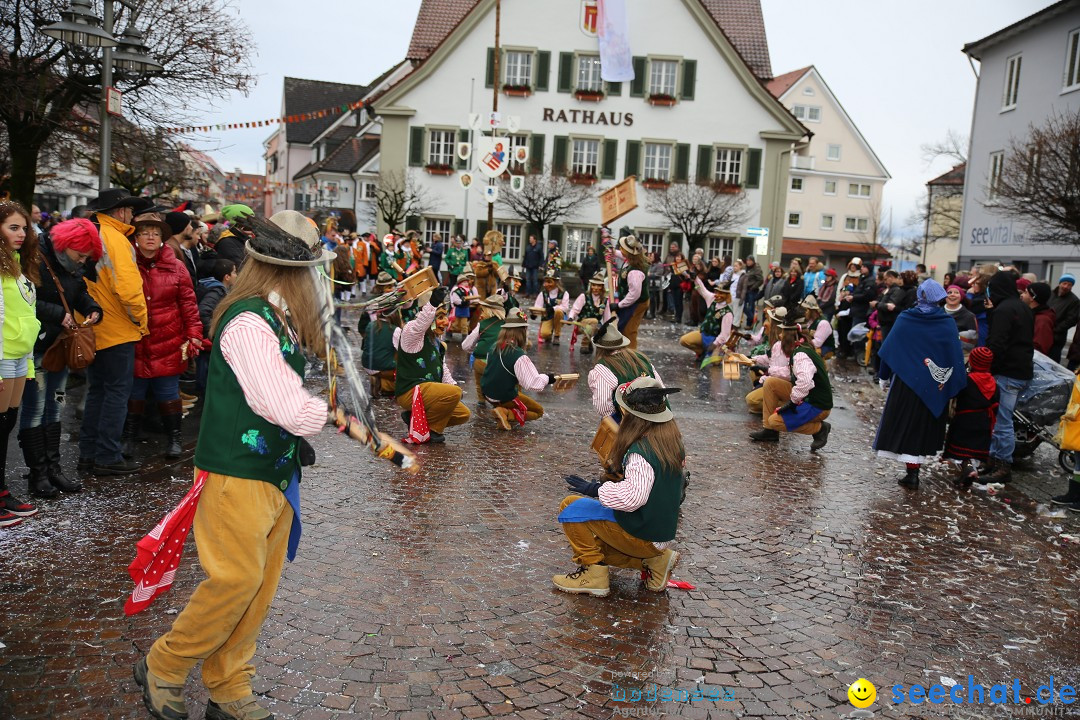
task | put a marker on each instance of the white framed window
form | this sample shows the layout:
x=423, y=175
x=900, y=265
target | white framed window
x=1012, y=82
x=433, y=226
x=720, y=247
x=856, y=224
x=585, y=158
x=1072, y=61
x=796, y=184
x=657, y=161
x=997, y=163
x=578, y=242
x=588, y=73
x=512, y=233
x=811, y=113
x=728, y=167
x=827, y=222
x=861, y=190
x=832, y=153
x=652, y=241
x=830, y=187
x=519, y=67
x=370, y=190
x=662, y=76
x=794, y=219
x=441, y=147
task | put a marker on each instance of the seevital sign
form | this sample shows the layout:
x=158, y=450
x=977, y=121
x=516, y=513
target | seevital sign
x=588, y=117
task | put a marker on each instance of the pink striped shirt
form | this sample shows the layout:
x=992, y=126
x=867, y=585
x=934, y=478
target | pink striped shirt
x=633, y=490
x=562, y=304
x=634, y=279
x=777, y=362
x=824, y=330
x=528, y=377
x=271, y=388
x=804, y=370
x=410, y=339
x=598, y=301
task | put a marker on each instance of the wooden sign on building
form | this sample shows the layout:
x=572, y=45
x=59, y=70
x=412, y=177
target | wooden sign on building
x=619, y=200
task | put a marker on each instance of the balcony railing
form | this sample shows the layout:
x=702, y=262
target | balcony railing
x=802, y=162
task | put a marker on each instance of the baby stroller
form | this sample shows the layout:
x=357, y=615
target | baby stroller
x=1040, y=407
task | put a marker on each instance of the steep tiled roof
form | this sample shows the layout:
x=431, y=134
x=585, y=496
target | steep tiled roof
x=352, y=154
x=782, y=83
x=955, y=176
x=740, y=20
x=303, y=96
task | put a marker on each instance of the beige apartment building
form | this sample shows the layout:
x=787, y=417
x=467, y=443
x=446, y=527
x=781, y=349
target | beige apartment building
x=836, y=179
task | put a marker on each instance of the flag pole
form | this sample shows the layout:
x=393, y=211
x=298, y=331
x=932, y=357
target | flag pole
x=494, y=105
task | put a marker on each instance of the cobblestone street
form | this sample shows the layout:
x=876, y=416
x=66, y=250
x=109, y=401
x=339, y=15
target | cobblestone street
x=429, y=595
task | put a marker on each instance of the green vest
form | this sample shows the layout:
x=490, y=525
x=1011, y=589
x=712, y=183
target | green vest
x=714, y=320
x=510, y=302
x=499, y=381
x=233, y=440
x=591, y=310
x=821, y=395
x=417, y=368
x=489, y=332
x=377, y=351
x=657, y=519
x=624, y=285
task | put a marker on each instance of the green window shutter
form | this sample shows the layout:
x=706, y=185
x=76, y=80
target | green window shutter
x=614, y=89
x=559, y=156
x=536, y=154
x=543, y=69
x=753, y=168
x=462, y=137
x=489, y=74
x=481, y=229
x=412, y=222
x=611, y=153
x=689, y=78
x=459, y=226
x=704, y=163
x=566, y=72
x=633, y=158
x=675, y=237
x=637, y=85
x=416, y=146
x=682, y=162
x=555, y=233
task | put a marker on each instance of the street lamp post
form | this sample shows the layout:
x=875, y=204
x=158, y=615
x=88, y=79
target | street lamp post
x=79, y=26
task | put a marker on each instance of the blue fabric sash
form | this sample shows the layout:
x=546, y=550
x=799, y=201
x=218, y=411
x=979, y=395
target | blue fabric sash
x=798, y=417
x=584, y=510
x=922, y=348
x=292, y=494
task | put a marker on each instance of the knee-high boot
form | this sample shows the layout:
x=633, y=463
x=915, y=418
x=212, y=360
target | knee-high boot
x=8, y=501
x=171, y=414
x=132, y=425
x=32, y=442
x=59, y=480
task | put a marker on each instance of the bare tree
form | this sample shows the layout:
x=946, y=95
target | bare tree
x=545, y=199
x=940, y=208
x=143, y=162
x=952, y=147
x=1039, y=183
x=698, y=209
x=878, y=234
x=203, y=45
x=399, y=196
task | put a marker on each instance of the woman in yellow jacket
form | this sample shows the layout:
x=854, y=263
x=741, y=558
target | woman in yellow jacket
x=19, y=277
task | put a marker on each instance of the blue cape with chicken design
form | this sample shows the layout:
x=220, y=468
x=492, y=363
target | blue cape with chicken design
x=924, y=350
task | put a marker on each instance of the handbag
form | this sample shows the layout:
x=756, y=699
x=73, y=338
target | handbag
x=74, y=347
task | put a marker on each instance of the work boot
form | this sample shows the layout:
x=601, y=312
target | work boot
x=1002, y=473
x=132, y=424
x=436, y=437
x=503, y=415
x=1072, y=495
x=989, y=468
x=586, y=580
x=245, y=709
x=910, y=479
x=52, y=453
x=554, y=339
x=586, y=349
x=171, y=414
x=32, y=442
x=123, y=467
x=164, y=701
x=821, y=437
x=658, y=570
x=765, y=435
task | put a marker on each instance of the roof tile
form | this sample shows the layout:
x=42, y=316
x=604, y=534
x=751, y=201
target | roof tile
x=303, y=96
x=782, y=83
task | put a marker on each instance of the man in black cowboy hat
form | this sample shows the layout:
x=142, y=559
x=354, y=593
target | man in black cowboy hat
x=119, y=291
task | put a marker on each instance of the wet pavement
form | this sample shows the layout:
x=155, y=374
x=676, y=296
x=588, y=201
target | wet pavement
x=429, y=596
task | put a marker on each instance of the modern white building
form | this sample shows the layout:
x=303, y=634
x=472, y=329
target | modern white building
x=836, y=179
x=697, y=110
x=1028, y=72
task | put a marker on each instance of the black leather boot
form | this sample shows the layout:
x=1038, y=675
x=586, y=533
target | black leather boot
x=59, y=480
x=171, y=413
x=132, y=425
x=32, y=442
x=910, y=480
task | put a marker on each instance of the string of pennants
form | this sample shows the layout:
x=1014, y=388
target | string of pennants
x=301, y=117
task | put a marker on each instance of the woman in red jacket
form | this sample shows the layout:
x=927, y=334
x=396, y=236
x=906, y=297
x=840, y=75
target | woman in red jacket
x=176, y=334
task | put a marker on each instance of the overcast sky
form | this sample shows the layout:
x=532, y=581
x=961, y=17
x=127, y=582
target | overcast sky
x=896, y=67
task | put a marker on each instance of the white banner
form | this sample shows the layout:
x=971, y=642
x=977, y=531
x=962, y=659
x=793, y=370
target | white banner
x=616, y=61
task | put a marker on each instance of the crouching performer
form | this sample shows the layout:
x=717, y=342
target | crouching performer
x=630, y=523
x=508, y=369
x=482, y=339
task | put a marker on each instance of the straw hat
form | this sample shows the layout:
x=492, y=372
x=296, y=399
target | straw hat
x=298, y=245
x=630, y=245
x=599, y=278
x=495, y=304
x=810, y=303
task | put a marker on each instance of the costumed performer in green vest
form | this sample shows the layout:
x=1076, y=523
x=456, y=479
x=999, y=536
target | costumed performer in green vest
x=509, y=370
x=554, y=302
x=616, y=363
x=630, y=523
x=509, y=286
x=250, y=443
x=590, y=309
x=633, y=289
x=378, y=328
x=482, y=339
x=716, y=329
x=801, y=405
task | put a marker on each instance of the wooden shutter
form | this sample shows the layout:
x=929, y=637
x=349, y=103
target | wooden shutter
x=705, y=163
x=416, y=146
x=637, y=85
x=611, y=153
x=543, y=69
x=689, y=79
x=614, y=89
x=459, y=227
x=412, y=222
x=753, y=168
x=536, y=154
x=463, y=137
x=559, y=155
x=481, y=230
x=555, y=233
x=633, y=158
x=566, y=72
x=489, y=73
x=682, y=162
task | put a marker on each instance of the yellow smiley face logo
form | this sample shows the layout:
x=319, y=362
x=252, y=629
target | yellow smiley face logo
x=862, y=693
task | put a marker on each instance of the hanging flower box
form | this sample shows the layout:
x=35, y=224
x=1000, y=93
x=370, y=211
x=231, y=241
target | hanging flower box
x=655, y=184
x=440, y=169
x=589, y=95
x=583, y=178
x=517, y=90
x=661, y=99
x=727, y=188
